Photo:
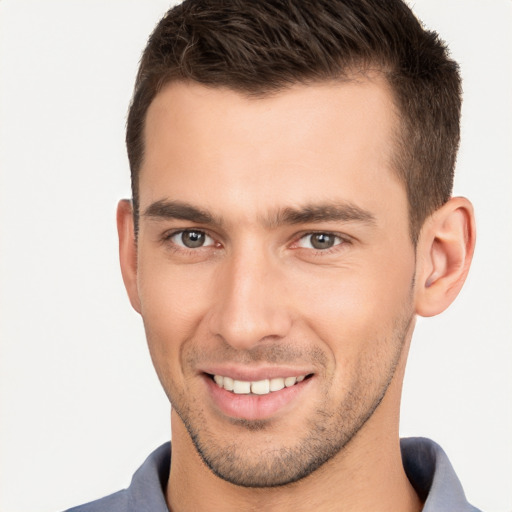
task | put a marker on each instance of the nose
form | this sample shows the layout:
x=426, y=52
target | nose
x=251, y=303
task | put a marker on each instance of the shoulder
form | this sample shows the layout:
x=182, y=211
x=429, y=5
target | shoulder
x=116, y=502
x=146, y=491
x=431, y=474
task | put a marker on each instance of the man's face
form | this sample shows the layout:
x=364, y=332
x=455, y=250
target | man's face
x=275, y=271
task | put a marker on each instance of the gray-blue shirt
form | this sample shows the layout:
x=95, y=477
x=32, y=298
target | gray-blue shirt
x=425, y=464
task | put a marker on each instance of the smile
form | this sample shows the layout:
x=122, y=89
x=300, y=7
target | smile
x=243, y=393
x=259, y=387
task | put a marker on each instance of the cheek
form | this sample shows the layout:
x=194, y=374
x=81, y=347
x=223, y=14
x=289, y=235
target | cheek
x=357, y=306
x=172, y=304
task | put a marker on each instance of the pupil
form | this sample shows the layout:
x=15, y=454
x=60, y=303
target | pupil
x=322, y=241
x=192, y=239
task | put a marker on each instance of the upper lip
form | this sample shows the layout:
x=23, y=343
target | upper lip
x=253, y=374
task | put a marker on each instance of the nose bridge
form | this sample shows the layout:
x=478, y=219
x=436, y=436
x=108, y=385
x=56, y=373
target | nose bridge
x=251, y=305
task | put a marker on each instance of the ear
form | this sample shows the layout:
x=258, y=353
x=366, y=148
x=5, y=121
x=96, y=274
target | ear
x=444, y=253
x=128, y=251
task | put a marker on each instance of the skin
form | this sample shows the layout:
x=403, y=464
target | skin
x=258, y=299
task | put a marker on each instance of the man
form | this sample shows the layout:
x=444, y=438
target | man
x=292, y=166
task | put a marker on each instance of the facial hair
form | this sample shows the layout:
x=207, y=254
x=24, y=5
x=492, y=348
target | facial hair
x=324, y=434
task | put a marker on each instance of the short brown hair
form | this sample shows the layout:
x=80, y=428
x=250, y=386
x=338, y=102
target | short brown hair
x=261, y=47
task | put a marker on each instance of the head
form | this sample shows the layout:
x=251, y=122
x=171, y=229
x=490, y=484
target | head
x=260, y=48
x=291, y=166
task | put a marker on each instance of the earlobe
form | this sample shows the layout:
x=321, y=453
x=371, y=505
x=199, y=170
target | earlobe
x=128, y=251
x=444, y=253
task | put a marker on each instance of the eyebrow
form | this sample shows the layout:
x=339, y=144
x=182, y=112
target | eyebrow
x=164, y=209
x=329, y=212
x=307, y=214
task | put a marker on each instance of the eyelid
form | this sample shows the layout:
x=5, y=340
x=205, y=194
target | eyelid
x=343, y=239
x=168, y=236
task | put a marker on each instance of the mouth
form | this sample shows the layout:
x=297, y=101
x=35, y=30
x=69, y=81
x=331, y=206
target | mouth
x=257, y=387
x=257, y=393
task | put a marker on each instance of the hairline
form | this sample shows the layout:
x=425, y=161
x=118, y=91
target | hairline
x=352, y=74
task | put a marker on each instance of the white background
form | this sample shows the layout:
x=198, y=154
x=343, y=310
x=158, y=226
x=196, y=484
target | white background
x=80, y=406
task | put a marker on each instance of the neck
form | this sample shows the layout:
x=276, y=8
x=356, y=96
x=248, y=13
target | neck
x=375, y=481
x=367, y=474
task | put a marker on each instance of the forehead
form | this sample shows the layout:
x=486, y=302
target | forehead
x=240, y=155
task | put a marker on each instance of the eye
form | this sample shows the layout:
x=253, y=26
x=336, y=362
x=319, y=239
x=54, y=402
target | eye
x=192, y=239
x=319, y=241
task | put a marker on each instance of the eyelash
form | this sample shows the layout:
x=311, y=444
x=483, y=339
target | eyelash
x=168, y=236
x=342, y=240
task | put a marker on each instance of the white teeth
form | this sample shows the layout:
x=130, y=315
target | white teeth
x=228, y=384
x=259, y=387
x=241, y=387
x=290, y=381
x=276, y=384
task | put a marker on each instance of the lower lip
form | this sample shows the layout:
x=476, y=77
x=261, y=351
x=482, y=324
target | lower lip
x=254, y=407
